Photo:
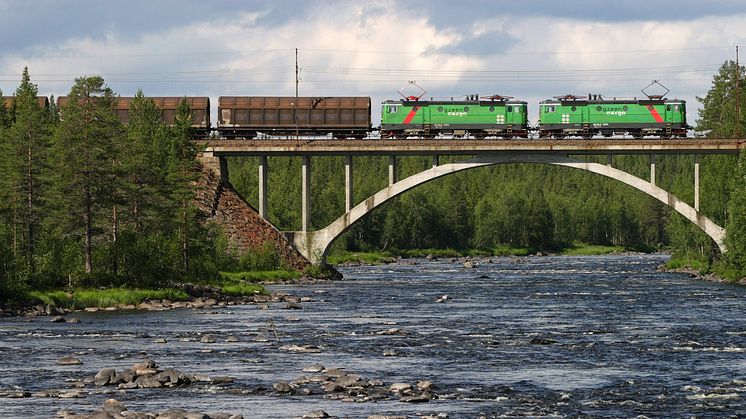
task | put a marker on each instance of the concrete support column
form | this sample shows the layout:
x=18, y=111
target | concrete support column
x=652, y=170
x=392, y=170
x=609, y=160
x=223, y=170
x=348, y=183
x=306, y=193
x=263, y=187
x=696, y=183
x=436, y=160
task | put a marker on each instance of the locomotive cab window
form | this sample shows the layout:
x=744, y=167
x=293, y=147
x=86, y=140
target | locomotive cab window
x=393, y=109
x=550, y=108
x=510, y=109
x=676, y=108
x=668, y=107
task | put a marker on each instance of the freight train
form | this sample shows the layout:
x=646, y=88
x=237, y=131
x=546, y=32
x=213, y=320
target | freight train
x=568, y=116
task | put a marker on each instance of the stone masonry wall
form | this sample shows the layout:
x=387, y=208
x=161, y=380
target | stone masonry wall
x=245, y=229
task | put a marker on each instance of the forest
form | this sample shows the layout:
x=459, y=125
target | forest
x=86, y=201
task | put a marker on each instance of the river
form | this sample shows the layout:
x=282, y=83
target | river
x=540, y=336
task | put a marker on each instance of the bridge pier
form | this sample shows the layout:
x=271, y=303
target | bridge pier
x=436, y=160
x=392, y=170
x=348, y=183
x=306, y=193
x=652, y=169
x=263, y=187
x=696, y=183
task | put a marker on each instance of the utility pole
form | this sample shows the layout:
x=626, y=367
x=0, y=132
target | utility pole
x=738, y=98
x=295, y=103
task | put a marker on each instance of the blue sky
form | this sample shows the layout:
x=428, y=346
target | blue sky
x=528, y=49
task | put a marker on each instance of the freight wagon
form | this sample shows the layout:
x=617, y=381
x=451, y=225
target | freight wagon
x=199, y=108
x=247, y=116
x=42, y=101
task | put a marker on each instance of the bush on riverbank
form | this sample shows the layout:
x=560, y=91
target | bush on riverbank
x=261, y=276
x=104, y=297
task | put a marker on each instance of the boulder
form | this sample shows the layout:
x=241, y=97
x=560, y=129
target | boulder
x=542, y=341
x=57, y=319
x=207, y=339
x=114, y=406
x=400, y=387
x=69, y=360
x=105, y=376
x=282, y=387
x=314, y=368
x=469, y=265
x=418, y=398
x=148, y=363
x=425, y=385
x=348, y=380
x=316, y=414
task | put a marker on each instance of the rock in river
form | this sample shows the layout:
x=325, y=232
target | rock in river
x=69, y=360
x=283, y=387
x=207, y=339
x=316, y=414
x=314, y=368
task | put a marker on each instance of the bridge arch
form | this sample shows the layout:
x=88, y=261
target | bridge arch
x=315, y=244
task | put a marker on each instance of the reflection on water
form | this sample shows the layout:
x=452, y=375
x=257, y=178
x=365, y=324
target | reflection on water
x=611, y=337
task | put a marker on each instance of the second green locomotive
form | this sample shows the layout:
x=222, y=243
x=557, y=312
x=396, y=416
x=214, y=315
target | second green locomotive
x=573, y=116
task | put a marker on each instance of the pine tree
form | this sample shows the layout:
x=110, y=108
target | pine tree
x=735, y=228
x=181, y=176
x=30, y=142
x=145, y=163
x=85, y=150
x=718, y=114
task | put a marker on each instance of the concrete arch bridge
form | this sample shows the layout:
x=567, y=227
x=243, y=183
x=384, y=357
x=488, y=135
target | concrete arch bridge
x=314, y=245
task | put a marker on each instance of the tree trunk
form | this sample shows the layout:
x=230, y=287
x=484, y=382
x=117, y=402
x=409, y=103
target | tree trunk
x=30, y=212
x=88, y=231
x=114, y=236
x=184, y=238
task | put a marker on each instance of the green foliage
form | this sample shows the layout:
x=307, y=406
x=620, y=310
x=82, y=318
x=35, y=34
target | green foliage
x=591, y=250
x=243, y=289
x=88, y=202
x=735, y=233
x=264, y=258
x=368, y=258
x=104, y=297
x=260, y=276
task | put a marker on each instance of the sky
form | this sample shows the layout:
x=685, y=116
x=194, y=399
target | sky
x=532, y=50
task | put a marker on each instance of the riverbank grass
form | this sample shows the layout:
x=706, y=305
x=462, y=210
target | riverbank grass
x=260, y=276
x=103, y=297
x=581, y=249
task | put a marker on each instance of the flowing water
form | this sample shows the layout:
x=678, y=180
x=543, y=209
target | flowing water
x=611, y=338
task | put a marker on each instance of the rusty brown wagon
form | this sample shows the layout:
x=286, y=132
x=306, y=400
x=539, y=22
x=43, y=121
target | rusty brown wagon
x=247, y=116
x=199, y=106
x=43, y=101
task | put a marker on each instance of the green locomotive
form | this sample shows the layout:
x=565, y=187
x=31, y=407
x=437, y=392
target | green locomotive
x=573, y=116
x=494, y=116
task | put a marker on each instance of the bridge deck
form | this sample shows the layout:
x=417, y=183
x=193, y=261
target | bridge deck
x=329, y=147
